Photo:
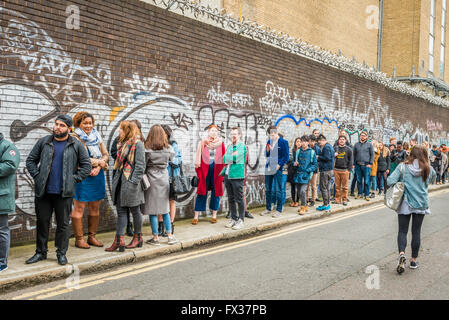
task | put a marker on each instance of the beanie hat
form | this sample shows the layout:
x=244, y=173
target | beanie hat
x=66, y=119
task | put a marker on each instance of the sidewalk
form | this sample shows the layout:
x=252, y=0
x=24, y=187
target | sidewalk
x=95, y=259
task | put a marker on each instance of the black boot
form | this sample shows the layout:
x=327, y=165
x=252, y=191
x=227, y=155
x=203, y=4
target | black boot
x=159, y=228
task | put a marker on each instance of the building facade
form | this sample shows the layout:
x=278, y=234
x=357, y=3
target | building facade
x=406, y=39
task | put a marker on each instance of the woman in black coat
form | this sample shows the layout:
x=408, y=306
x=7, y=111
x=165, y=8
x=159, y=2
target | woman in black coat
x=383, y=167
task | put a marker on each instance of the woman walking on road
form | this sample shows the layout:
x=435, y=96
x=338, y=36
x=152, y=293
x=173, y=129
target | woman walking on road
x=416, y=173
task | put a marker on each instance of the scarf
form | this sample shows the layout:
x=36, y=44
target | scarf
x=125, y=157
x=92, y=142
x=211, y=145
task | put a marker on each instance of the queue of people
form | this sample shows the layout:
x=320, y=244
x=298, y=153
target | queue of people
x=69, y=173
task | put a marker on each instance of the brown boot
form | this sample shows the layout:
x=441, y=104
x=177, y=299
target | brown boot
x=92, y=229
x=119, y=243
x=136, y=242
x=77, y=224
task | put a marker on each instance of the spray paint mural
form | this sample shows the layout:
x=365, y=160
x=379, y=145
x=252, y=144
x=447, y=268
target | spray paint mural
x=53, y=82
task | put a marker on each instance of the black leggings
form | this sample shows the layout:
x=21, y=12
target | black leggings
x=295, y=192
x=404, y=221
x=382, y=180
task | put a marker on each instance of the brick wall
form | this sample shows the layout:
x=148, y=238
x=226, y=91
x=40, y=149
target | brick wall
x=132, y=60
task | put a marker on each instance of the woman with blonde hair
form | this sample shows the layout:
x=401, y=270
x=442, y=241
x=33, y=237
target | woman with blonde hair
x=127, y=193
x=416, y=173
x=158, y=154
x=92, y=190
x=383, y=167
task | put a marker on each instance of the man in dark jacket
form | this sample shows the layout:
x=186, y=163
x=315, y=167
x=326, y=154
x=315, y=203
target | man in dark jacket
x=277, y=153
x=326, y=157
x=363, y=160
x=435, y=161
x=9, y=162
x=57, y=163
x=343, y=165
x=397, y=156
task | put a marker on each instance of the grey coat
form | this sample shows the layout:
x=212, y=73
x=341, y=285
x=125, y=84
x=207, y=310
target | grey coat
x=156, y=197
x=131, y=193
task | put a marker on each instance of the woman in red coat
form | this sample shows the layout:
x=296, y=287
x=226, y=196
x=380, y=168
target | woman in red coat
x=208, y=165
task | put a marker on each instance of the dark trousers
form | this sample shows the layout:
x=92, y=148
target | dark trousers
x=4, y=239
x=301, y=190
x=353, y=183
x=404, y=221
x=437, y=171
x=234, y=188
x=295, y=193
x=44, y=210
x=382, y=181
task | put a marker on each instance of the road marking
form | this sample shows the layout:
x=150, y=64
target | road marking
x=167, y=261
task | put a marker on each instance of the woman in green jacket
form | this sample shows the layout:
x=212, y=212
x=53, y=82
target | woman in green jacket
x=234, y=173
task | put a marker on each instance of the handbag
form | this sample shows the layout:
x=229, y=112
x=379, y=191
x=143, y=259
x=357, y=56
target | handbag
x=180, y=183
x=145, y=182
x=194, y=182
x=394, y=195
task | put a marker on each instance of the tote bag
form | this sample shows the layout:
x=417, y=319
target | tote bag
x=394, y=195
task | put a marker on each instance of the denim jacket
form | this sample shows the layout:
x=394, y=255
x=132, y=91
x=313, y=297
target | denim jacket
x=174, y=166
x=416, y=191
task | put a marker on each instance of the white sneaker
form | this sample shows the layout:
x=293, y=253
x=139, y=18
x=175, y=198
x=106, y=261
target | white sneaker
x=265, y=212
x=277, y=214
x=231, y=223
x=239, y=225
x=172, y=240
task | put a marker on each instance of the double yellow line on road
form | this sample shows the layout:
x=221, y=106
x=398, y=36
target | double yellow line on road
x=167, y=261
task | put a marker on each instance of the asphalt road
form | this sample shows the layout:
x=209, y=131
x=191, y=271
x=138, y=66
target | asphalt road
x=324, y=259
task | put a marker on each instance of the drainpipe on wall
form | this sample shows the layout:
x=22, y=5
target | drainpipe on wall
x=379, y=41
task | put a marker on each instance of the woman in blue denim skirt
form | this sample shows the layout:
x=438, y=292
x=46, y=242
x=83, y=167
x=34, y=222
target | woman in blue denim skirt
x=92, y=190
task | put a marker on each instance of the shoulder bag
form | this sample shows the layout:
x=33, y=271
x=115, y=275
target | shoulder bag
x=394, y=195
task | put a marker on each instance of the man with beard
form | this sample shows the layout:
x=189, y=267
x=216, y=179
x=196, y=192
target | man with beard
x=57, y=163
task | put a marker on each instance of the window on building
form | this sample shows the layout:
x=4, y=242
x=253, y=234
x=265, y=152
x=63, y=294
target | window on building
x=443, y=39
x=431, y=35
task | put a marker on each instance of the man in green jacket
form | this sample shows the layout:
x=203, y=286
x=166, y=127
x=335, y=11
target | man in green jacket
x=234, y=171
x=9, y=162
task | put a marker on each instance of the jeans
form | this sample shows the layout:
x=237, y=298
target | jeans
x=325, y=185
x=275, y=190
x=301, y=193
x=234, y=188
x=155, y=223
x=373, y=183
x=4, y=239
x=214, y=203
x=363, y=177
x=404, y=220
x=44, y=210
